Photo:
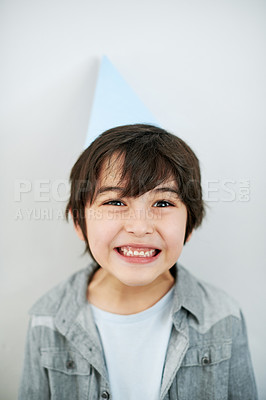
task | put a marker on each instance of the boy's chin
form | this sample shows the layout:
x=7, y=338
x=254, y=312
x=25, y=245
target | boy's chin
x=142, y=280
x=136, y=284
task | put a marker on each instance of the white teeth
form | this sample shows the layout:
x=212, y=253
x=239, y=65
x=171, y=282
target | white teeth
x=129, y=253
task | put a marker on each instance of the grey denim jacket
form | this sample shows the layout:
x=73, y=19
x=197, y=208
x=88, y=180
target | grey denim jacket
x=207, y=356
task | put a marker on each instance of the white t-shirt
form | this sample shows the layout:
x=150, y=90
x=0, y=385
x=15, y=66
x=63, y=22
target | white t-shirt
x=135, y=347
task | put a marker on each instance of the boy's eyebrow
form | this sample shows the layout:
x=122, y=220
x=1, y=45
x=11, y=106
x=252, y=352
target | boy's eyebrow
x=166, y=189
x=104, y=189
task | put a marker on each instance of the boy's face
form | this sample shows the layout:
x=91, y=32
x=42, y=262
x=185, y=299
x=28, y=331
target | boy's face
x=136, y=240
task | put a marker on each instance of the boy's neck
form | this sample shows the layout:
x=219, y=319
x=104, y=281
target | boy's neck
x=109, y=295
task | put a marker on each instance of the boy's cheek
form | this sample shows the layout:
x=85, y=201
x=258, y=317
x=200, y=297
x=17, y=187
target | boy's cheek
x=92, y=214
x=101, y=236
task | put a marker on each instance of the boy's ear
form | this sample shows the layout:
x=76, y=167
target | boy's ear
x=79, y=232
x=189, y=237
x=77, y=228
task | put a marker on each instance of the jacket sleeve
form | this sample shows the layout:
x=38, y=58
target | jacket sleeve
x=242, y=384
x=34, y=382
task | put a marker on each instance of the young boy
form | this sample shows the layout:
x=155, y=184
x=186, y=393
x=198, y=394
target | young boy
x=136, y=325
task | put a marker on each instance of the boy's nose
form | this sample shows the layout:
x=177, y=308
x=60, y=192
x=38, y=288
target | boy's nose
x=139, y=224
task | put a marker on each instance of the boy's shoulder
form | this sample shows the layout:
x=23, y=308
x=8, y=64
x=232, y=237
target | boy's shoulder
x=208, y=303
x=73, y=287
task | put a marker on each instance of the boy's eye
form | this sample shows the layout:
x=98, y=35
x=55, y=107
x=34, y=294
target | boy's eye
x=114, y=203
x=162, y=203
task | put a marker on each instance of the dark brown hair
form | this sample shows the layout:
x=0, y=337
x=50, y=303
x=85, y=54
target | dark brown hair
x=150, y=156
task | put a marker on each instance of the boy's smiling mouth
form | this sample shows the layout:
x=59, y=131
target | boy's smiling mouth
x=137, y=251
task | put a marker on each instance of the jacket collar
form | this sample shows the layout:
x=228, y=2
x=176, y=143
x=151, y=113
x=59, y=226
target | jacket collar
x=73, y=296
x=187, y=293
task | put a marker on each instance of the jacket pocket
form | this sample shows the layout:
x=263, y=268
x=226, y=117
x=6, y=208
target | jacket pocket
x=204, y=372
x=68, y=373
x=209, y=354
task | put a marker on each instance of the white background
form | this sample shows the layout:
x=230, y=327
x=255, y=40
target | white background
x=199, y=66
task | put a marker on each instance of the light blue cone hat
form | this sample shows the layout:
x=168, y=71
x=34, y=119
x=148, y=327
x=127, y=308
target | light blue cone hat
x=115, y=103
